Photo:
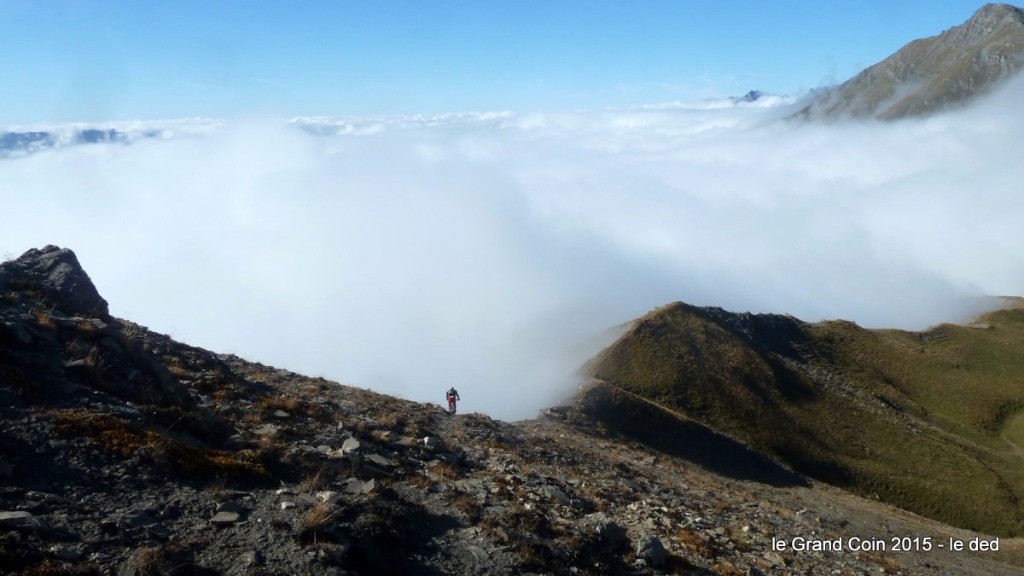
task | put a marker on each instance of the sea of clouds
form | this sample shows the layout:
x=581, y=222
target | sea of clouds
x=498, y=251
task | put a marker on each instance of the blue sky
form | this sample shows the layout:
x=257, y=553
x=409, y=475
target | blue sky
x=87, y=60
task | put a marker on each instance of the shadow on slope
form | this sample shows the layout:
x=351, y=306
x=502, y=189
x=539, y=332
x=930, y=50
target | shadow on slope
x=677, y=435
x=911, y=418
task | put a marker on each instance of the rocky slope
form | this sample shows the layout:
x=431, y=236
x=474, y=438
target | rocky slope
x=932, y=74
x=125, y=452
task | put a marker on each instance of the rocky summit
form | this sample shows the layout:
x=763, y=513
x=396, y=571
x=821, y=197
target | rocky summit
x=124, y=452
x=934, y=74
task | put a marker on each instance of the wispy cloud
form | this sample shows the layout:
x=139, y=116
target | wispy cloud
x=486, y=251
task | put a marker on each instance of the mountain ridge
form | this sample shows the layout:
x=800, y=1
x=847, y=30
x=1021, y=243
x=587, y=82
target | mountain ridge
x=844, y=404
x=934, y=74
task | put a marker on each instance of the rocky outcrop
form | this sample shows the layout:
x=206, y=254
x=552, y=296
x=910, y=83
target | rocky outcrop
x=56, y=274
x=932, y=74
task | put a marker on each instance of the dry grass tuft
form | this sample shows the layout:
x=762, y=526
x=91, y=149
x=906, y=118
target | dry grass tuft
x=149, y=562
x=129, y=439
x=114, y=434
x=133, y=332
x=43, y=318
x=532, y=553
x=177, y=370
x=86, y=326
x=318, y=518
x=217, y=487
x=695, y=542
x=315, y=480
x=468, y=505
x=390, y=420
x=286, y=403
x=243, y=465
x=93, y=359
x=448, y=471
x=252, y=418
x=422, y=480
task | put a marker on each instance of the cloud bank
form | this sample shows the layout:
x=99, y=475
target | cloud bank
x=494, y=252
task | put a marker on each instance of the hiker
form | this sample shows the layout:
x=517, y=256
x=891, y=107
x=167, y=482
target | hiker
x=452, y=396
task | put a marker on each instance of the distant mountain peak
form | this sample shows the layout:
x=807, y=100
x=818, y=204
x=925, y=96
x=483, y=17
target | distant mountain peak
x=994, y=12
x=933, y=74
x=989, y=20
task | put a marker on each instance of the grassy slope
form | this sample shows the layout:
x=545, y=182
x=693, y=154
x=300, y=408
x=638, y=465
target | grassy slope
x=914, y=418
